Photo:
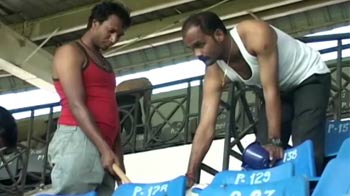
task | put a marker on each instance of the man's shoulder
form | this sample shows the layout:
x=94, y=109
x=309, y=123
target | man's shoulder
x=68, y=54
x=247, y=26
x=5, y=116
x=69, y=45
x=250, y=22
x=70, y=48
x=213, y=71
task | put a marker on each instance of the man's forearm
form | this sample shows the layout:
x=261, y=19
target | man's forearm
x=200, y=147
x=118, y=149
x=273, y=114
x=89, y=127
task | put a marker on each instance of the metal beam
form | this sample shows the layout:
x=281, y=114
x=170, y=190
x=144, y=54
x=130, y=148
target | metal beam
x=323, y=38
x=129, y=58
x=25, y=75
x=303, y=6
x=173, y=24
x=139, y=42
x=14, y=49
x=76, y=19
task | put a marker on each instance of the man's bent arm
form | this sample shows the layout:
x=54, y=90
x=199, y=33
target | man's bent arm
x=263, y=43
x=205, y=132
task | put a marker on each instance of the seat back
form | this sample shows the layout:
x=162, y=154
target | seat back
x=92, y=193
x=302, y=158
x=335, y=179
x=344, y=151
x=252, y=177
x=336, y=132
x=175, y=187
x=288, y=187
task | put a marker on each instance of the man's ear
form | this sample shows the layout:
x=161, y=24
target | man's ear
x=219, y=35
x=95, y=23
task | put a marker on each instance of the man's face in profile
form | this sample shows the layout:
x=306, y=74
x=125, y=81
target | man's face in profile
x=203, y=46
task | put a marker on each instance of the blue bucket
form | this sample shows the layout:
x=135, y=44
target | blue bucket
x=255, y=157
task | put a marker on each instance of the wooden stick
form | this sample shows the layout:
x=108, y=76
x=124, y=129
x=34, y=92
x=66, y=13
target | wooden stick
x=121, y=174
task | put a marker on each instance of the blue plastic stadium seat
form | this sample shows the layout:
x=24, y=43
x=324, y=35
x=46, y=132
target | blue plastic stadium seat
x=302, y=158
x=344, y=151
x=293, y=186
x=92, y=193
x=251, y=177
x=176, y=187
x=336, y=133
x=335, y=179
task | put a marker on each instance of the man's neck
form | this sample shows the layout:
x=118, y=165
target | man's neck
x=87, y=41
x=235, y=52
x=231, y=50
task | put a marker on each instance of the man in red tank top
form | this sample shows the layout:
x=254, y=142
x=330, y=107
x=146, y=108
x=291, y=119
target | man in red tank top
x=87, y=141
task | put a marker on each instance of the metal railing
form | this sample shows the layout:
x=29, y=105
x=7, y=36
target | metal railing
x=16, y=165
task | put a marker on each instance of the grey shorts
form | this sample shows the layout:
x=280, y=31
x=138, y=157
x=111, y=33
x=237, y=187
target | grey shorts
x=76, y=164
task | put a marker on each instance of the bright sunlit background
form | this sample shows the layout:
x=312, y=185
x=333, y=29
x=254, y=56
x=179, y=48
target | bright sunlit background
x=165, y=164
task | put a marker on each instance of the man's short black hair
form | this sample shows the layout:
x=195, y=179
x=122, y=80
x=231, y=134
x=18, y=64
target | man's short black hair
x=103, y=10
x=207, y=21
x=8, y=128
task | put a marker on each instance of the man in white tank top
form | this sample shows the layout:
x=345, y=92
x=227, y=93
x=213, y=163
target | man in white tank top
x=294, y=80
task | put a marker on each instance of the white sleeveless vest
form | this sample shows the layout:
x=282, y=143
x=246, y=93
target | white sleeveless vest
x=296, y=60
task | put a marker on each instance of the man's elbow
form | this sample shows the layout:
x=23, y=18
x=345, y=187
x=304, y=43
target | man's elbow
x=76, y=107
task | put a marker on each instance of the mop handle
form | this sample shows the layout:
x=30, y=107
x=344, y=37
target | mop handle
x=120, y=173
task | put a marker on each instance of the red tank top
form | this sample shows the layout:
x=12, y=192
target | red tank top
x=99, y=86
